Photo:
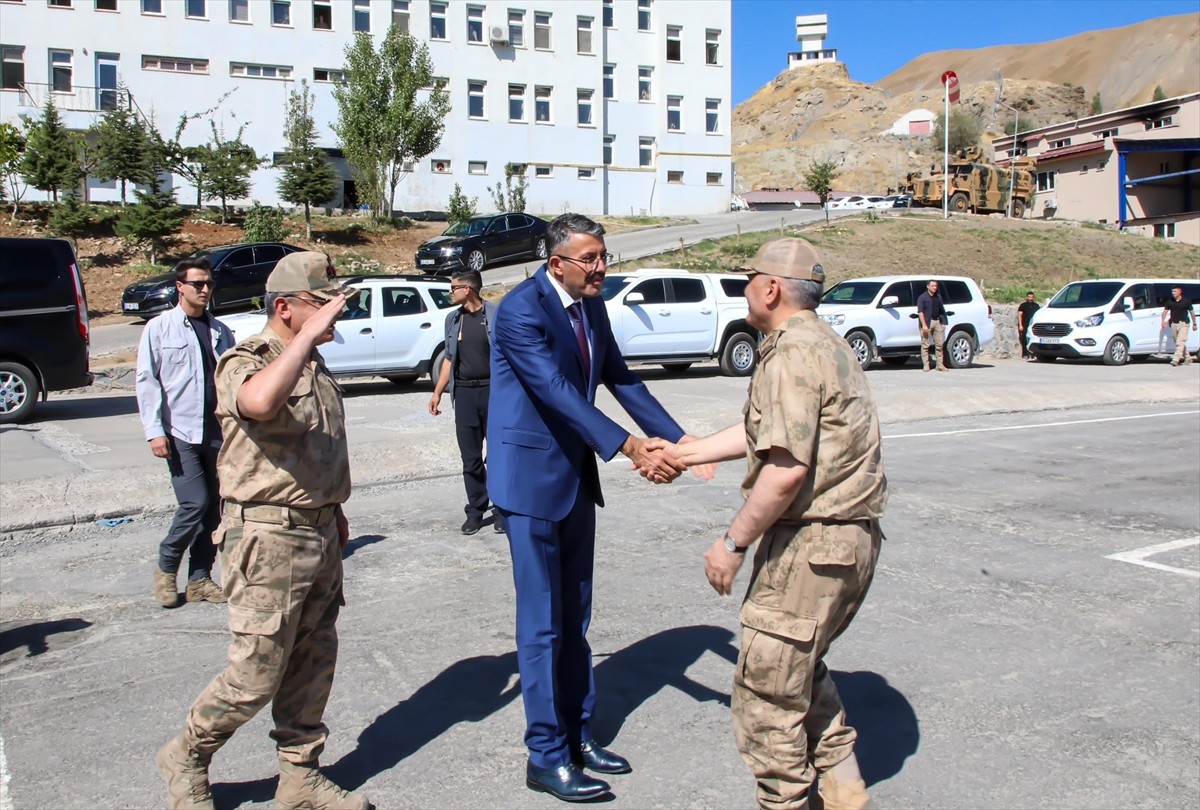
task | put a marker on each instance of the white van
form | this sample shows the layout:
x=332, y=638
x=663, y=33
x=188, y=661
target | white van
x=1112, y=318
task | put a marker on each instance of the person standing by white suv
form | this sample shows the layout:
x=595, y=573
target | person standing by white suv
x=932, y=316
x=1178, y=313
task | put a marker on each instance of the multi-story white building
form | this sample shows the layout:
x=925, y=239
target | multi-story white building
x=613, y=106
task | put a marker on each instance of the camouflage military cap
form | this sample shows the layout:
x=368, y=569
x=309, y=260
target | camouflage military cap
x=309, y=272
x=786, y=257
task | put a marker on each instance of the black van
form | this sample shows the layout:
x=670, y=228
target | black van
x=43, y=323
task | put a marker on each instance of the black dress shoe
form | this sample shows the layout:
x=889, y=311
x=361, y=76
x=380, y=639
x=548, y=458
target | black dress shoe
x=591, y=756
x=472, y=525
x=565, y=782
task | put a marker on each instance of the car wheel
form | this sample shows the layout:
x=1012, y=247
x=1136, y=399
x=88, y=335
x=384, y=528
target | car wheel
x=1018, y=208
x=435, y=367
x=1116, y=353
x=959, y=203
x=475, y=260
x=862, y=346
x=539, y=249
x=401, y=379
x=960, y=350
x=676, y=368
x=900, y=360
x=739, y=356
x=18, y=392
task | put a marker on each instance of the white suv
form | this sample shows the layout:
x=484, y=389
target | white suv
x=395, y=328
x=878, y=317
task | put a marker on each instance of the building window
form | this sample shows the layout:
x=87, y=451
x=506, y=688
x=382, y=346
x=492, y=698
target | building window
x=609, y=86
x=515, y=169
x=674, y=177
x=58, y=3
x=331, y=75
x=674, y=43
x=586, y=174
x=60, y=71
x=437, y=20
x=1108, y=133
x=152, y=6
x=608, y=14
x=171, y=64
x=713, y=178
x=712, y=115
x=645, y=151
x=674, y=113
x=1160, y=123
x=196, y=9
x=475, y=92
x=516, y=102
x=251, y=71
x=1045, y=181
x=439, y=166
x=1164, y=230
x=1060, y=144
x=541, y=104
x=106, y=5
x=516, y=28
x=1100, y=165
x=12, y=73
x=583, y=105
x=541, y=30
x=608, y=150
x=475, y=24
x=400, y=15
x=477, y=167
x=281, y=12
x=362, y=16
x=322, y=16
x=712, y=47
x=543, y=171
x=645, y=83
x=644, y=15
x=239, y=10
x=1083, y=169
x=583, y=34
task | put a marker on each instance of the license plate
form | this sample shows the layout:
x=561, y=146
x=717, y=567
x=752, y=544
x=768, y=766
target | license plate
x=424, y=262
x=129, y=307
x=1050, y=340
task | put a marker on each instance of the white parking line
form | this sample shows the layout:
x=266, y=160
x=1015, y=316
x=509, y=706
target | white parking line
x=1138, y=556
x=1039, y=425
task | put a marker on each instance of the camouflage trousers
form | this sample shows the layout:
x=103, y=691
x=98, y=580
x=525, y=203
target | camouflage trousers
x=284, y=585
x=807, y=585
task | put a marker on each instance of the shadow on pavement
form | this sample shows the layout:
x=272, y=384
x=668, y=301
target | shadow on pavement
x=888, y=731
x=87, y=407
x=362, y=541
x=36, y=636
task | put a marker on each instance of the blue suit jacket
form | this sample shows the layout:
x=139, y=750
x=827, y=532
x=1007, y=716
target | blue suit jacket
x=543, y=431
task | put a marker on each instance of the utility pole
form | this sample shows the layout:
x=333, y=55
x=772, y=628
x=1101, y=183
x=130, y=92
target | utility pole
x=1012, y=167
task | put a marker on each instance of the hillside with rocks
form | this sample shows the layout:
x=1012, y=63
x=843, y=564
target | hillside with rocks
x=819, y=112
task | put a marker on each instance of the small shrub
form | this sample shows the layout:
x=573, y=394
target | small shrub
x=461, y=207
x=264, y=224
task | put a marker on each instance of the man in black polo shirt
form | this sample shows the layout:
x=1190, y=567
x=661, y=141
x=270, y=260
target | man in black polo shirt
x=1024, y=317
x=466, y=370
x=1178, y=313
x=932, y=316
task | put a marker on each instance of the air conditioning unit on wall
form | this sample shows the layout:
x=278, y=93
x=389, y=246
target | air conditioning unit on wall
x=499, y=35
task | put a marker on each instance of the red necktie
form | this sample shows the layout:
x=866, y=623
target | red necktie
x=576, y=312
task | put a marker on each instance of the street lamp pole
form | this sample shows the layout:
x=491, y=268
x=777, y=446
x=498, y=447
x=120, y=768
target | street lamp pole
x=1012, y=161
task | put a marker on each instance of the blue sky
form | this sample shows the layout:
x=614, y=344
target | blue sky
x=876, y=37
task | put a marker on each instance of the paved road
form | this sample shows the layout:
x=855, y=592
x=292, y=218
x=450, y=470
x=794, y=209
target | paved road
x=113, y=339
x=1002, y=658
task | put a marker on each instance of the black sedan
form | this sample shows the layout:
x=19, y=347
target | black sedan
x=479, y=241
x=239, y=275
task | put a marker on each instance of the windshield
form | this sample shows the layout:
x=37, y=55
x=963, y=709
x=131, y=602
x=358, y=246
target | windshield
x=467, y=227
x=1085, y=294
x=852, y=292
x=613, y=285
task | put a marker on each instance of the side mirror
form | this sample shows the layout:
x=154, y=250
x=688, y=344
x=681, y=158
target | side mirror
x=1127, y=303
x=890, y=301
x=635, y=298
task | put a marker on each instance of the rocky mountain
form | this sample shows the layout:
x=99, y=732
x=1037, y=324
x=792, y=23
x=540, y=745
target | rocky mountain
x=818, y=112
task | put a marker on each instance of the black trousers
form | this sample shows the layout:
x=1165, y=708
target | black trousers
x=1025, y=352
x=470, y=425
x=194, y=478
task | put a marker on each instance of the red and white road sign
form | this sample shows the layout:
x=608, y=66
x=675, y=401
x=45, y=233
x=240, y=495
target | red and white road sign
x=950, y=79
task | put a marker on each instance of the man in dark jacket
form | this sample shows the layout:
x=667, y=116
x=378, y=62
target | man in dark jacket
x=932, y=316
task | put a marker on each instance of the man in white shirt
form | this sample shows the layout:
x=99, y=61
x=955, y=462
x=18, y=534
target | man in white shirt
x=176, y=394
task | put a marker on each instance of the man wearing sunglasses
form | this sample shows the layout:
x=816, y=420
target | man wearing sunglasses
x=177, y=400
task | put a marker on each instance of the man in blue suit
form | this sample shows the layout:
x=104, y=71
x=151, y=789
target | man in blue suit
x=553, y=347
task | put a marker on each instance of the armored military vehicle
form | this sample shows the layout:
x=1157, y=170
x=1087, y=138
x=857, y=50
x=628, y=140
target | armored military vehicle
x=977, y=185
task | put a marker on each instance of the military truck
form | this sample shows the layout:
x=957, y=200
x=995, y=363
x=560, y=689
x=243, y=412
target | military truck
x=977, y=185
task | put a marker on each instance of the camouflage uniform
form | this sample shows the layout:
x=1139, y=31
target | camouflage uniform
x=813, y=567
x=282, y=481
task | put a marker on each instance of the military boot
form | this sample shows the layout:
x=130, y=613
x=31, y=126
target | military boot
x=165, y=590
x=204, y=590
x=304, y=787
x=851, y=795
x=186, y=772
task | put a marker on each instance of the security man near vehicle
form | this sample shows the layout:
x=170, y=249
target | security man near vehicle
x=1024, y=318
x=932, y=316
x=814, y=494
x=177, y=400
x=466, y=369
x=1178, y=313
x=285, y=473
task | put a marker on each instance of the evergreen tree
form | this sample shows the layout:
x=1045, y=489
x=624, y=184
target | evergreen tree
x=155, y=217
x=308, y=178
x=1159, y=94
x=227, y=167
x=123, y=144
x=50, y=160
x=1097, y=104
x=70, y=219
x=819, y=179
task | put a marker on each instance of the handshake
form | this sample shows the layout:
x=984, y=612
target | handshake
x=660, y=461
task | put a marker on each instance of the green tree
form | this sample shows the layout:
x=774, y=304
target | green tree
x=511, y=196
x=263, y=224
x=1097, y=104
x=50, y=161
x=818, y=178
x=12, y=144
x=227, y=164
x=965, y=130
x=1159, y=94
x=123, y=146
x=461, y=207
x=381, y=124
x=155, y=217
x=308, y=179
x=70, y=219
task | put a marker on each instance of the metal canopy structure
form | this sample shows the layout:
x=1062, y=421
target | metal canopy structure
x=1188, y=147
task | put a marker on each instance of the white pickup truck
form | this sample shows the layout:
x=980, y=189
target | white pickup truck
x=675, y=318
